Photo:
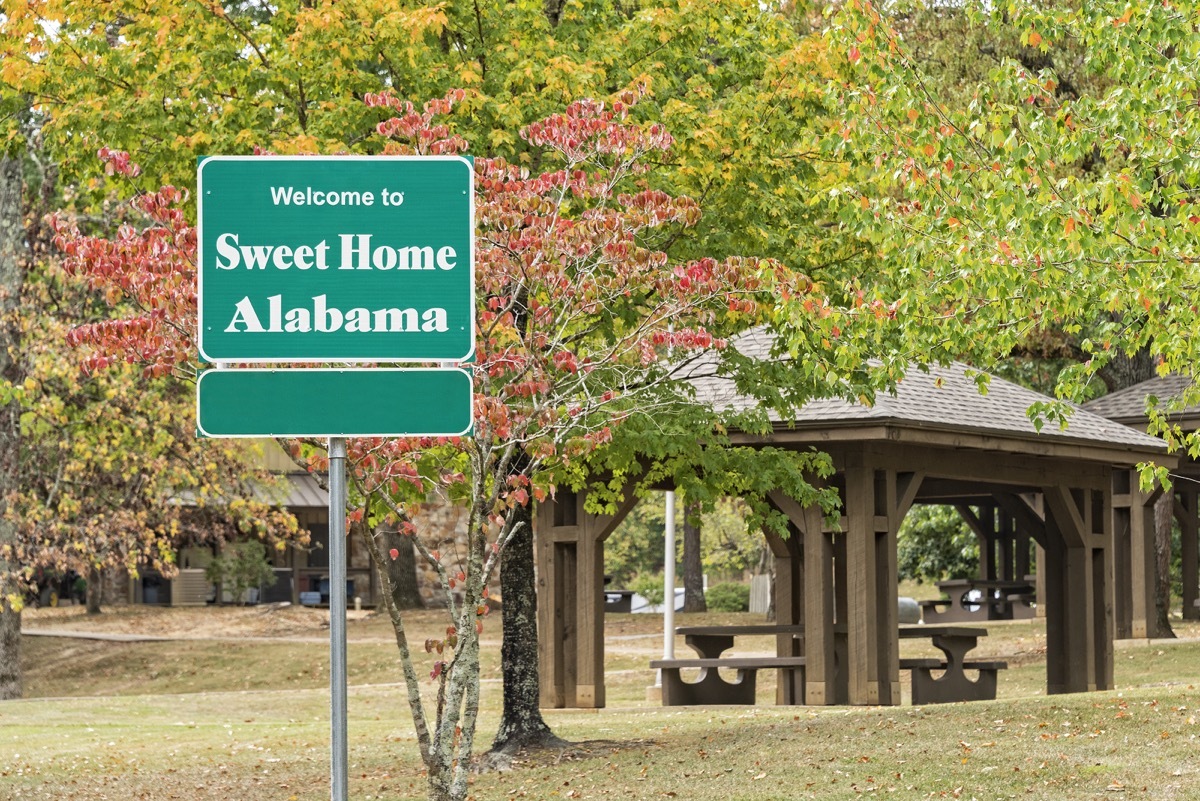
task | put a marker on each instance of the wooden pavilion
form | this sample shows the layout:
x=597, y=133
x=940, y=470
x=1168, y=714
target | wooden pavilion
x=936, y=440
x=1128, y=406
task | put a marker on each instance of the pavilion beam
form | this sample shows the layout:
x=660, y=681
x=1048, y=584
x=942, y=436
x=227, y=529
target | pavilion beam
x=991, y=471
x=788, y=592
x=985, y=532
x=862, y=632
x=1030, y=524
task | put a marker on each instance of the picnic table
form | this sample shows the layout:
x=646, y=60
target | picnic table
x=975, y=599
x=711, y=644
x=618, y=600
x=955, y=642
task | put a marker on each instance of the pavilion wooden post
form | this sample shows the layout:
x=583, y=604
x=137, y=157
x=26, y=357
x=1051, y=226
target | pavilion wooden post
x=1186, y=510
x=876, y=501
x=819, y=613
x=569, y=548
x=1079, y=620
x=1133, y=531
x=789, y=598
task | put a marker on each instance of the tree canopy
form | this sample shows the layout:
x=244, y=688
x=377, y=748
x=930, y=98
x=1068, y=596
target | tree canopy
x=1056, y=192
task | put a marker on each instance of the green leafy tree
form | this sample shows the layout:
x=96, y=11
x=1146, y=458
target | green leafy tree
x=241, y=566
x=1029, y=204
x=935, y=543
x=1052, y=199
x=113, y=474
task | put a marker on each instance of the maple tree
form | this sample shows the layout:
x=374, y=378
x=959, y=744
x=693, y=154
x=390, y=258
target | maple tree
x=736, y=80
x=114, y=475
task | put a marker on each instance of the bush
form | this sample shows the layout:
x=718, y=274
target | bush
x=728, y=597
x=241, y=567
x=935, y=543
x=649, y=587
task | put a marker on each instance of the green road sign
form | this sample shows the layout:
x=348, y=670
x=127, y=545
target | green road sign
x=342, y=258
x=334, y=403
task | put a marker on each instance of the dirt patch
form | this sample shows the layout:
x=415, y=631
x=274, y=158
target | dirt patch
x=267, y=620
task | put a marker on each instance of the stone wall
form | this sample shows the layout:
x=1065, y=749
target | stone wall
x=443, y=527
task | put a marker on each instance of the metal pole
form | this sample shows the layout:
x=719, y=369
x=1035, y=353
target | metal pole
x=338, y=784
x=669, y=582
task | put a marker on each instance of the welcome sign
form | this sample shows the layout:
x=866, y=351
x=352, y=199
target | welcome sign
x=342, y=258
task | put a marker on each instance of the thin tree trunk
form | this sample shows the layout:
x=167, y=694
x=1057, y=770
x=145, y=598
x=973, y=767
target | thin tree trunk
x=771, y=592
x=693, y=566
x=521, y=723
x=1163, y=509
x=95, y=590
x=11, y=277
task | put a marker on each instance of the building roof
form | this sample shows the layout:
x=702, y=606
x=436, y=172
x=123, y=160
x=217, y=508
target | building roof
x=1129, y=405
x=943, y=398
x=305, y=491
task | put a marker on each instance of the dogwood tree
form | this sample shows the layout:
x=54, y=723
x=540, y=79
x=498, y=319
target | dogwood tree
x=578, y=309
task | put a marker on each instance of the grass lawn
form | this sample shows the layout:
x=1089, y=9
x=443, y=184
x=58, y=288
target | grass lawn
x=246, y=717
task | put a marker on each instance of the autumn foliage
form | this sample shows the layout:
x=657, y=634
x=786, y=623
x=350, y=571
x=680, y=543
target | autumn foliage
x=578, y=309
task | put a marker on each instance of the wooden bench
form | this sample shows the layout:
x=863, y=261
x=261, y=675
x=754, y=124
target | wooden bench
x=930, y=609
x=951, y=686
x=710, y=688
x=1022, y=606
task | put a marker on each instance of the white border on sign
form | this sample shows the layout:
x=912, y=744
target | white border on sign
x=466, y=357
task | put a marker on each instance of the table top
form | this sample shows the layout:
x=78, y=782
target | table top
x=798, y=628
x=1004, y=583
x=916, y=632
x=748, y=629
x=997, y=583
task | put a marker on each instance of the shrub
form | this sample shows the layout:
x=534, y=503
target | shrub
x=728, y=597
x=649, y=587
x=240, y=567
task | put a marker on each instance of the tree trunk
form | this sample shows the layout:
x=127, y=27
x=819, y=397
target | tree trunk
x=1163, y=518
x=521, y=722
x=693, y=566
x=771, y=592
x=11, y=277
x=95, y=590
x=402, y=571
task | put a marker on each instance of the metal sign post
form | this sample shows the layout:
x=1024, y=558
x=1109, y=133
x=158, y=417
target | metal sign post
x=339, y=782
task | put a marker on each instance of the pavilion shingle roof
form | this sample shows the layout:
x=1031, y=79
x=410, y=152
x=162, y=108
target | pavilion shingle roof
x=1129, y=405
x=944, y=398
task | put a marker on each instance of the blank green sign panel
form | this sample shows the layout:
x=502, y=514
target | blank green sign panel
x=334, y=403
